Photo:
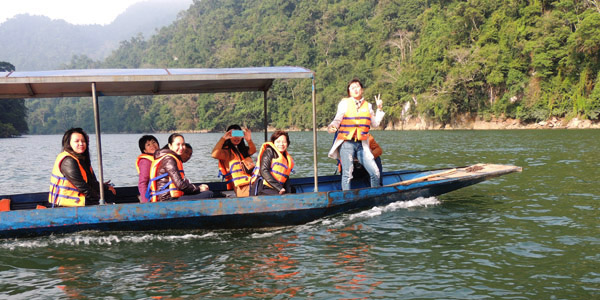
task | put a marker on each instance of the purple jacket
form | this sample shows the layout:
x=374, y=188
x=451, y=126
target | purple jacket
x=144, y=165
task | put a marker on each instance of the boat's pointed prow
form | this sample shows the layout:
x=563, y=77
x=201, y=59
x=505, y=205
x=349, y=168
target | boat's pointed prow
x=477, y=170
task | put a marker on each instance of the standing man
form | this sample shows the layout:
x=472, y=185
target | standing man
x=353, y=121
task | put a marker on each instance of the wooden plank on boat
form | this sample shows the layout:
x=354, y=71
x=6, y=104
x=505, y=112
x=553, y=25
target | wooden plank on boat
x=460, y=172
x=424, y=178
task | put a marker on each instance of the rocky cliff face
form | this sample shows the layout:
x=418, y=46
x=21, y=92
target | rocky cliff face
x=419, y=123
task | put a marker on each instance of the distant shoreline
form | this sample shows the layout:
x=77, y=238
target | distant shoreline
x=418, y=123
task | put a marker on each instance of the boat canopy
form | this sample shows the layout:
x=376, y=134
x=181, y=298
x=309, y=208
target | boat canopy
x=129, y=82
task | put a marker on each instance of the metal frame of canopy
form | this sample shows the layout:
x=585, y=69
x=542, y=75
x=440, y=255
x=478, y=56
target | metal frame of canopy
x=129, y=82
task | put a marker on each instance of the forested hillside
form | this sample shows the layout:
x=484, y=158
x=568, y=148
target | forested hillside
x=13, y=114
x=442, y=60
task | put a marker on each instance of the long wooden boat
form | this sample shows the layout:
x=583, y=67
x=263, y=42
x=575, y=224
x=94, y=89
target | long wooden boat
x=314, y=198
x=230, y=212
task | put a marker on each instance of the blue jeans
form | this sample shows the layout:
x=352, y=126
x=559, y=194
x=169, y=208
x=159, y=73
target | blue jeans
x=349, y=150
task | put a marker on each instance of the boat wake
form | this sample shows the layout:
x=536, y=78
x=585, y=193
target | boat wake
x=378, y=210
x=96, y=238
x=337, y=222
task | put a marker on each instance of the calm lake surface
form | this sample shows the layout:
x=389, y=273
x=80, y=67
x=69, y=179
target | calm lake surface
x=532, y=235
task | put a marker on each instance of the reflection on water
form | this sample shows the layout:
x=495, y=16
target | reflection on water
x=352, y=259
x=532, y=235
x=273, y=267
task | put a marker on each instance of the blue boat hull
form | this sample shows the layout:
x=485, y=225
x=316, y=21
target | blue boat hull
x=228, y=212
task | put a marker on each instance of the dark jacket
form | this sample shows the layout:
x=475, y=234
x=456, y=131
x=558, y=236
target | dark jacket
x=265, y=170
x=169, y=165
x=91, y=189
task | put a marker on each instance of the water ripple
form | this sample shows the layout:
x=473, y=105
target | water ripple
x=531, y=249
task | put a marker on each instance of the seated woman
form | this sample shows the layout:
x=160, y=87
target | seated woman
x=276, y=164
x=148, y=145
x=167, y=179
x=235, y=161
x=73, y=182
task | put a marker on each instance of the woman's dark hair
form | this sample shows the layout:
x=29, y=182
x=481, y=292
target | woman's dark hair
x=241, y=147
x=144, y=139
x=66, y=144
x=351, y=82
x=172, y=139
x=278, y=134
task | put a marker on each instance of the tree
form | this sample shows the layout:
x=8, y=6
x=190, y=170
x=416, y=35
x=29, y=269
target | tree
x=526, y=59
x=13, y=114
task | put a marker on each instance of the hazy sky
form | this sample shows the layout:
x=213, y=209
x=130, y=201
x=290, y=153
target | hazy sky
x=73, y=11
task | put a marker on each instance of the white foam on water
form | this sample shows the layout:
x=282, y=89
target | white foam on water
x=91, y=238
x=378, y=210
x=260, y=235
x=340, y=222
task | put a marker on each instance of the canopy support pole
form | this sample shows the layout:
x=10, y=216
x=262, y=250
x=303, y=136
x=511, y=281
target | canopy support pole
x=265, y=121
x=314, y=117
x=98, y=142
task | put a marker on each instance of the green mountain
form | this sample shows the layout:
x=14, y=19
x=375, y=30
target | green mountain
x=442, y=60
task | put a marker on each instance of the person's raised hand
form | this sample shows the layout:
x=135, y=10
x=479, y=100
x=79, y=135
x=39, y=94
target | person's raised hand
x=378, y=101
x=247, y=134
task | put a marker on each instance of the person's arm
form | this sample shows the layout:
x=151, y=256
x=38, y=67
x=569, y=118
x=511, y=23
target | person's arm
x=375, y=148
x=251, y=147
x=182, y=184
x=95, y=185
x=218, y=152
x=341, y=111
x=288, y=186
x=144, y=178
x=377, y=117
x=265, y=168
x=248, y=138
x=70, y=168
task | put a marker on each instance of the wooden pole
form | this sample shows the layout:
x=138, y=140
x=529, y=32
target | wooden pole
x=314, y=116
x=265, y=120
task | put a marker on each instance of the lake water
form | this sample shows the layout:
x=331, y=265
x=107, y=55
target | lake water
x=532, y=235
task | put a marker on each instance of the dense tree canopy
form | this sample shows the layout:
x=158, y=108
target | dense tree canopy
x=438, y=59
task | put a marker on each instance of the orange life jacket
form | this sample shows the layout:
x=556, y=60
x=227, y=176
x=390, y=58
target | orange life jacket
x=62, y=191
x=152, y=193
x=234, y=173
x=281, y=167
x=355, y=122
x=140, y=157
